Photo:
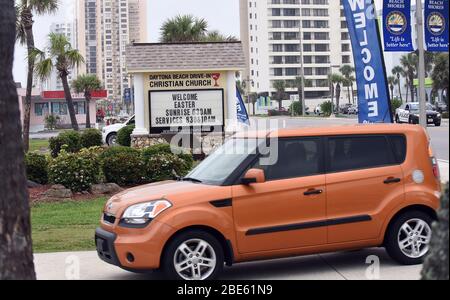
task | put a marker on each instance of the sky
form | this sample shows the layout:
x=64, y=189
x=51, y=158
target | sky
x=220, y=16
x=224, y=18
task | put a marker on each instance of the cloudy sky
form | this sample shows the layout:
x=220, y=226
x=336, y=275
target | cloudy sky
x=222, y=15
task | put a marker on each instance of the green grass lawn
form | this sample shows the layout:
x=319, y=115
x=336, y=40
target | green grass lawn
x=65, y=226
x=38, y=145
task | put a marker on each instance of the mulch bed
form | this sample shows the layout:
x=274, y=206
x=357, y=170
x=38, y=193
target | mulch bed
x=35, y=195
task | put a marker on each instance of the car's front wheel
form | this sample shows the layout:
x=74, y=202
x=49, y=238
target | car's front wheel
x=408, y=238
x=397, y=119
x=193, y=255
x=111, y=140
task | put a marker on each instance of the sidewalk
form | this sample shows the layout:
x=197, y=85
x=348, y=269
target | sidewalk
x=444, y=170
x=355, y=265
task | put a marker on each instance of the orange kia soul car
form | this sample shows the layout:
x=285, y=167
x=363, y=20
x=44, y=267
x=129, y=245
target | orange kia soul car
x=280, y=194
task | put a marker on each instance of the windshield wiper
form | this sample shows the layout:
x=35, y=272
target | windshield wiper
x=191, y=179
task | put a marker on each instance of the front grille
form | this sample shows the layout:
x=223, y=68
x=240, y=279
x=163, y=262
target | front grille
x=109, y=218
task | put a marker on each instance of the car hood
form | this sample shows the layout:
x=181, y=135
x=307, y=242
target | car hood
x=177, y=192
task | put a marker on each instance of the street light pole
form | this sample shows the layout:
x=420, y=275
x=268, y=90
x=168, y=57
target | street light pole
x=421, y=69
x=302, y=72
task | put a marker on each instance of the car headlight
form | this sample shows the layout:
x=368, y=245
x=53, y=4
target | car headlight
x=142, y=213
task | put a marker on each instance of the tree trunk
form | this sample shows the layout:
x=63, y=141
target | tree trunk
x=27, y=17
x=73, y=118
x=16, y=256
x=87, y=95
x=400, y=88
x=338, y=96
x=411, y=87
x=348, y=94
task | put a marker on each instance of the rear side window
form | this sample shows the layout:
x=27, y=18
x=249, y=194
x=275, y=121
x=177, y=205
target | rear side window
x=359, y=152
x=398, y=144
x=296, y=158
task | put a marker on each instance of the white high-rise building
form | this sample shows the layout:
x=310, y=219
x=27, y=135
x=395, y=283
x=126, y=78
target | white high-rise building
x=272, y=32
x=105, y=27
x=67, y=29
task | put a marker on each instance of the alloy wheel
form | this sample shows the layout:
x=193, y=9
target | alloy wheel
x=195, y=259
x=414, y=238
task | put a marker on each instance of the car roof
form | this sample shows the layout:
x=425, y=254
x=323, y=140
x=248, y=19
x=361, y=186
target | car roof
x=358, y=129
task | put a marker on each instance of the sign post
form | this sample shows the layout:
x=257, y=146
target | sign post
x=421, y=70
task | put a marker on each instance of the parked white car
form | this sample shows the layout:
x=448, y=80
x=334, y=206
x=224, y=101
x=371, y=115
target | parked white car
x=109, y=133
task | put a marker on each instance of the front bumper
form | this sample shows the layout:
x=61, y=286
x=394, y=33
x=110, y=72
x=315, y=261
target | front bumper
x=104, y=242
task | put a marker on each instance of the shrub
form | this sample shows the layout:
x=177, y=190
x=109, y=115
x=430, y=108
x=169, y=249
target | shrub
x=396, y=103
x=187, y=158
x=70, y=138
x=122, y=165
x=164, y=166
x=326, y=108
x=91, y=138
x=51, y=121
x=297, y=107
x=36, y=166
x=436, y=263
x=75, y=171
x=445, y=115
x=124, y=135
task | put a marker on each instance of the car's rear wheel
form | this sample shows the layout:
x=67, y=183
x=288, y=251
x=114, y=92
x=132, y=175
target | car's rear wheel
x=437, y=124
x=408, y=237
x=111, y=140
x=193, y=255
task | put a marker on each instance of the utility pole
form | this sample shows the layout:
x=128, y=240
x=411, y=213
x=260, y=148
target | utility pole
x=421, y=69
x=302, y=72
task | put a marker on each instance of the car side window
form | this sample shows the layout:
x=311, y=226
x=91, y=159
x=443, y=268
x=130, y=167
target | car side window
x=132, y=121
x=359, y=152
x=296, y=158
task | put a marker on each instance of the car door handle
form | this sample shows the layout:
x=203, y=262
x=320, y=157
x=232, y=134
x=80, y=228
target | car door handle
x=312, y=192
x=391, y=180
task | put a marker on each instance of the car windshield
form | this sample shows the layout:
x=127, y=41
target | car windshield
x=415, y=106
x=223, y=162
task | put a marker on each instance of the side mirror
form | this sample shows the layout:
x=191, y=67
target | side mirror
x=254, y=176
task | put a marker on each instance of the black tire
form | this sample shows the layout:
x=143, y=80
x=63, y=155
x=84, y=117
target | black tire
x=437, y=124
x=167, y=263
x=397, y=119
x=110, y=140
x=391, y=239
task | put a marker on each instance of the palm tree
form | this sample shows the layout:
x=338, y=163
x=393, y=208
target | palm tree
x=440, y=74
x=409, y=63
x=183, y=28
x=398, y=73
x=336, y=79
x=347, y=72
x=87, y=84
x=299, y=86
x=392, y=81
x=216, y=36
x=16, y=257
x=63, y=58
x=25, y=10
x=280, y=87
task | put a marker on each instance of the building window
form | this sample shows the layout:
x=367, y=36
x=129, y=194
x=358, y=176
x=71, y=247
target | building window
x=80, y=107
x=59, y=108
x=41, y=109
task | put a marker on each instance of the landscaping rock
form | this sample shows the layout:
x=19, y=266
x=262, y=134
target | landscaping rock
x=105, y=189
x=57, y=192
x=32, y=184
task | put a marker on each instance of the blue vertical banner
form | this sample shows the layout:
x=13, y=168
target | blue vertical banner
x=242, y=114
x=397, y=29
x=373, y=93
x=436, y=25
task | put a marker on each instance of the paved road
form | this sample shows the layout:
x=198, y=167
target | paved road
x=333, y=266
x=439, y=135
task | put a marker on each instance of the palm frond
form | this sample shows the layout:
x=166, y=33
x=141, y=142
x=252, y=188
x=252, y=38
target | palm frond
x=74, y=58
x=43, y=6
x=44, y=68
